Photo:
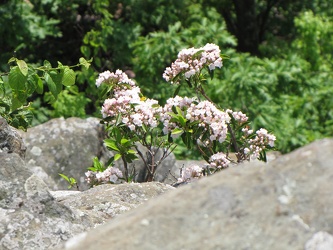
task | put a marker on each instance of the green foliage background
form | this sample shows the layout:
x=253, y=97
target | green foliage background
x=286, y=86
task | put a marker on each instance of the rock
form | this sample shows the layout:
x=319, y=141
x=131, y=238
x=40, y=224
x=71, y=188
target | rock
x=68, y=146
x=30, y=218
x=284, y=204
x=10, y=140
x=104, y=202
x=63, y=146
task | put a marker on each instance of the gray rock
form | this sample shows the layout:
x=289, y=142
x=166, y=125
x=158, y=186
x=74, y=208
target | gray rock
x=30, y=218
x=10, y=140
x=280, y=205
x=68, y=146
x=104, y=202
x=63, y=146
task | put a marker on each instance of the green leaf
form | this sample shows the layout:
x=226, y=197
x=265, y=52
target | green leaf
x=177, y=131
x=38, y=84
x=131, y=151
x=13, y=59
x=17, y=83
x=65, y=177
x=85, y=50
x=23, y=67
x=52, y=86
x=68, y=78
x=83, y=61
x=111, y=144
x=117, y=157
x=182, y=120
x=47, y=64
x=124, y=141
x=16, y=103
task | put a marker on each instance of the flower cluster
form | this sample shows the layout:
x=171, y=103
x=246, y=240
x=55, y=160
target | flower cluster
x=191, y=173
x=114, y=78
x=258, y=144
x=218, y=160
x=145, y=112
x=238, y=116
x=165, y=117
x=191, y=61
x=121, y=103
x=210, y=118
x=111, y=174
x=126, y=101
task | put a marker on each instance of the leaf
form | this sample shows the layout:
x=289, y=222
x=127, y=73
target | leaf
x=13, y=59
x=38, y=84
x=182, y=120
x=84, y=62
x=23, y=67
x=64, y=177
x=111, y=144
x=17, y=83
x=68, y=78
x=131, y=151
x=177, y=131
x=47, y=64
x=117, y=157
x=16, y=103
x=51, y=85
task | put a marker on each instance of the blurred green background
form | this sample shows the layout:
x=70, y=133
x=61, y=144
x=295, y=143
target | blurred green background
x=279, y=72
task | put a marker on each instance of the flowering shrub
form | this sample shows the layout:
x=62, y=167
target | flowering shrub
x=133, y=119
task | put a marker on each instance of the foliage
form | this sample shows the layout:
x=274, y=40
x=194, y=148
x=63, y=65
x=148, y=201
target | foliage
x=24, y=79
x=284, y=89
x=71, y=181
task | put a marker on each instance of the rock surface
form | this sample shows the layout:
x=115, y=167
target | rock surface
x=10, y=140
x=104, y=202
x=285, y=204
x=32, y=217
x=68, y=146
x=63, y=146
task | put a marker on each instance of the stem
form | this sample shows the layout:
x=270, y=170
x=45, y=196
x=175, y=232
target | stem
x=125, y=168
x=202, y=91
x=234, y=142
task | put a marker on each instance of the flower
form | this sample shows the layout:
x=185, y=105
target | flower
x=114, y=78
x=111, y=174
x=259, y=143
x=218, y=160
x=190, y=173
x=191, y=61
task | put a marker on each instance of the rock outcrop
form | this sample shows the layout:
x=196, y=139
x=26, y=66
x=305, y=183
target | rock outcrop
x=68, y=146
x=32, y=217
x=285, y=204
x=10, y=140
